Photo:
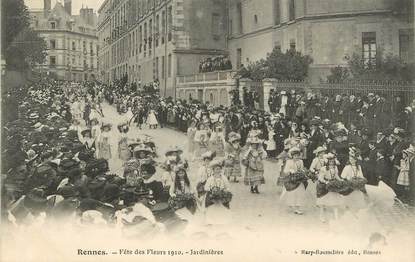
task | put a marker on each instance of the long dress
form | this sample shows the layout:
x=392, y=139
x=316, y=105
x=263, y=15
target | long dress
x=331, y=199
x=191, y=132
x=254, y=171
x=356, y=199
x=152, y=119
x=232, y=161
x=104, y=146
x=124, y=152
x=216, y=143
x=217, y=214
x=202, y=140
x=298, y=196
x=315, y=167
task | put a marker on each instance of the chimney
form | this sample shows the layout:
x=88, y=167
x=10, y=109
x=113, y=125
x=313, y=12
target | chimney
x=47, y=5
x=68, y=6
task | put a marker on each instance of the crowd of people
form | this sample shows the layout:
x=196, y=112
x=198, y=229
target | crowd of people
x=59, y=152
x=216, y=63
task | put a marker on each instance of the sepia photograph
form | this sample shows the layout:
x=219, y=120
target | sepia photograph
x=207, y=130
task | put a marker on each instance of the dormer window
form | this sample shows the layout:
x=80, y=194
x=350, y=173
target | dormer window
x=53, y=25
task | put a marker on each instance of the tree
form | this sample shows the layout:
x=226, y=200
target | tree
x=291, y=65
x=14, y=18
x=386, y=68
x=26, y=50
x=21, y=46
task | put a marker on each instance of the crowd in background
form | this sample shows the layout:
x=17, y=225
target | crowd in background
x=216, y=63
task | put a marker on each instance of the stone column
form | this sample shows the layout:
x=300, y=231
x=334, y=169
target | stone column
x=268, y=84
x=244, y=83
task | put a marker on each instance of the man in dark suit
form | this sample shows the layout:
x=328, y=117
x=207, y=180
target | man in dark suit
x=316, y=139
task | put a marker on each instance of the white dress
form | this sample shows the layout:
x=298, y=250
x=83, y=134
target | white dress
x=331, y=199
x=152, y=119
x=356, y=199
x=217, y=214
x=298, y=196
x=315, y=166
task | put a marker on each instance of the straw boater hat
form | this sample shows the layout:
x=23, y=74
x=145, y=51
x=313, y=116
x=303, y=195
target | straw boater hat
x=294, y=150
x=319, y=150
x=106, y=125
x=174, y=149
x=84, y=132
x=234, y=137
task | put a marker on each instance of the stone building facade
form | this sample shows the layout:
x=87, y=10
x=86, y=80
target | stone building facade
x=159, y=39
x=72, y=44
x=327, y=30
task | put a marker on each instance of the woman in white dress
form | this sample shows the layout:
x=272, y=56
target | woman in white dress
x=191, y=132
x=202, y=139
x=330, y=199
x=317, y=163
x=218, y=209
x=203, y=174
x=152, y=119
x=104, y=143
x=356, y=199
x=294, y=195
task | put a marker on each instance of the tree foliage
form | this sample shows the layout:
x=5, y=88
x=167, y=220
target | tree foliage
x=26, y=50
x=291, y=65
x=21, y=46
x=386, y=68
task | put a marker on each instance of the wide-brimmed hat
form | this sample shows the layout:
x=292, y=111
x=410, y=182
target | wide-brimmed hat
x=329, y=156
x=319, y=150
x=106, y=125
x=216, y=163
x=354, y=152
x=173, y=149
x=208, y=155
x=142, y=148
x=294, y=150
x=234, y=137
x=410, y=150
x=86, y=131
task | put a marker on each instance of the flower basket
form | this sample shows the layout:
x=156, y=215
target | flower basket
x=357, y=183
x=183, y=200
x=338, y=186
x=216, y=195
x=292, y=181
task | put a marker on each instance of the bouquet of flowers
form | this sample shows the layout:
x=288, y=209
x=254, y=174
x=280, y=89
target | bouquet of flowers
x=182, y=200
x=338, y=186
x=357, y=183
x=218, y=195
x=293, y=180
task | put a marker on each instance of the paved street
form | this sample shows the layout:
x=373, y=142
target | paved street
x=264, y=212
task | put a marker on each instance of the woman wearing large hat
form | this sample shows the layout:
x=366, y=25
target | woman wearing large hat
x=353, y=173
x=88, y=140
x=191, y=132
x=104, y=142
x=182, y=198
x=294, y=192
x=202, y=139
x=232, y=157
x=253, y=162
x=124, y=152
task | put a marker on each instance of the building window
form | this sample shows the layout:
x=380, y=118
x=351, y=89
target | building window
x=163, y=26
x=52, y=61
x=240, y=25
x=53, y=25
x=292, y=44
x=292, y=10
x=238, y=58
x=73, y=46
x=215, y=26
x=91, y=49
x=52, y=44
x=369, y=48
x=406, y=46
x=230, y=27
x=169, y=66
x=156, y=67
x=277, y=12
x=255, y=19
x=157, y=28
